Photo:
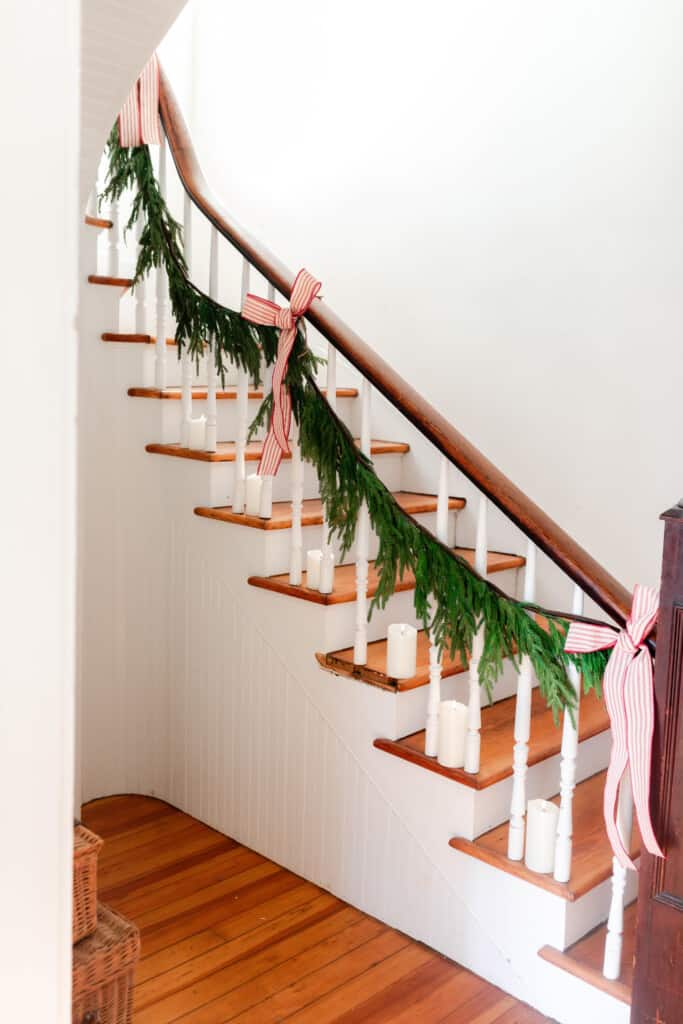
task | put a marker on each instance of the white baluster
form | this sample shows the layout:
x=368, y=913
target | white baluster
x=615, y=922
x=360, y=643
x=570, y=749
x=113, y=238
x=162, y=291
x=434, y=693
x=239, y=488
x=141, y=291
x=185, y=397
x=327, y=565
x=473, y=740
x=266, y=505
x=520, y=755
x=211, y=371
x=296, y=553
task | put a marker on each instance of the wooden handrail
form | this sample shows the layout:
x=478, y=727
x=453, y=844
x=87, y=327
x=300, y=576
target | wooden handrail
x=582, y=568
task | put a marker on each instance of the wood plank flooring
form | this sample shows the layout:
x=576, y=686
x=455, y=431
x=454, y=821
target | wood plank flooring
x=228, y=935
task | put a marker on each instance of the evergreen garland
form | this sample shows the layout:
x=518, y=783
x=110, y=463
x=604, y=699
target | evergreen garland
x=451, y=600
x=200, y=320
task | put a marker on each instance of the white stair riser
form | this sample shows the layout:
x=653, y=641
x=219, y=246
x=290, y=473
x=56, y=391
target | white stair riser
x=340, y=618
x=411, y=708
x=542, y=781
x=470, y=814
x=273, y=553
x=592, y=909
x=164, y=416
x=212, y=483
x=569, y=999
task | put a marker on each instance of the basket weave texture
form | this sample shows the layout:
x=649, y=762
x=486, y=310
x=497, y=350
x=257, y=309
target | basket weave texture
x=103, y=971
x=86, y=851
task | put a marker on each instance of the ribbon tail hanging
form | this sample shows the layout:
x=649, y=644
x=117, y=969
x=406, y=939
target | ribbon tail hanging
x=640, y=717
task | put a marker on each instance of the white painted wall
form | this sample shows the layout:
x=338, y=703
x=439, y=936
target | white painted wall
x=39, y=158
x=495, y=187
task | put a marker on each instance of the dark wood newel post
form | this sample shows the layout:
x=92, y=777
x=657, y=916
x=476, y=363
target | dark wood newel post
x=658, y=981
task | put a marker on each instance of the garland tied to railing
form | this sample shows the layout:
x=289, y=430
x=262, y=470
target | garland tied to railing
x=451, y=599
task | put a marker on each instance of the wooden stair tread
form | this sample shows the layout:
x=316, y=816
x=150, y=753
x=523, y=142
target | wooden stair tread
x=134, y=339
x=229, y=393
x=98, y=222
x=497, y=739
x=312, y=511
x=341, y=662
x=226, y=451
x=345, y=577
x=115, y=282
x=584, y=958
x=591, y=853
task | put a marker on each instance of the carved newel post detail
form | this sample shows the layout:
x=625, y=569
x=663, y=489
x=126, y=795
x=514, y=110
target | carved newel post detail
x=658, y=982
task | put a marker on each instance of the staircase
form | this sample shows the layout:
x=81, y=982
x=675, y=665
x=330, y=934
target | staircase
x=213, y=681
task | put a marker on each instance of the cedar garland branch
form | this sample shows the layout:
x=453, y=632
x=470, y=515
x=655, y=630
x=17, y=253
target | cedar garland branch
x=451, y=599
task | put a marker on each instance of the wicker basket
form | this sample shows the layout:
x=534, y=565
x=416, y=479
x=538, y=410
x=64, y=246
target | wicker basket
x=103, y=971
x=86, y=850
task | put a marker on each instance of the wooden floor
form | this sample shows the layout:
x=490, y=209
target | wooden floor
x=230, y=936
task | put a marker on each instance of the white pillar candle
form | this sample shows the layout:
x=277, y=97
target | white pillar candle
x=326, y=584
x=253, y=494
x=313, y=560
x=196, y=434
x=401, y=651
x=541, y=834
x=266, y=506
x=452, y=733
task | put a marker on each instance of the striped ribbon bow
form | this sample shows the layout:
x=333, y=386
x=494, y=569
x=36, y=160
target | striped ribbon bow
x=629, y=696
x=261, y=311
x=139, y=117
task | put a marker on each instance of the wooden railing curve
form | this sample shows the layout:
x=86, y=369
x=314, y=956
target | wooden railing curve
x=574, y=560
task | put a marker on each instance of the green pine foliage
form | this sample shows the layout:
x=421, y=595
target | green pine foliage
x=452, y=601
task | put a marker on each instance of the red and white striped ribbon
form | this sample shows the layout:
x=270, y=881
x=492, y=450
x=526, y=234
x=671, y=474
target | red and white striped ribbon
x=139, y=118
x=262, y=311
x=629, y=695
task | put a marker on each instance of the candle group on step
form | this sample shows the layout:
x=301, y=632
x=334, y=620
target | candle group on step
x=320, y=571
